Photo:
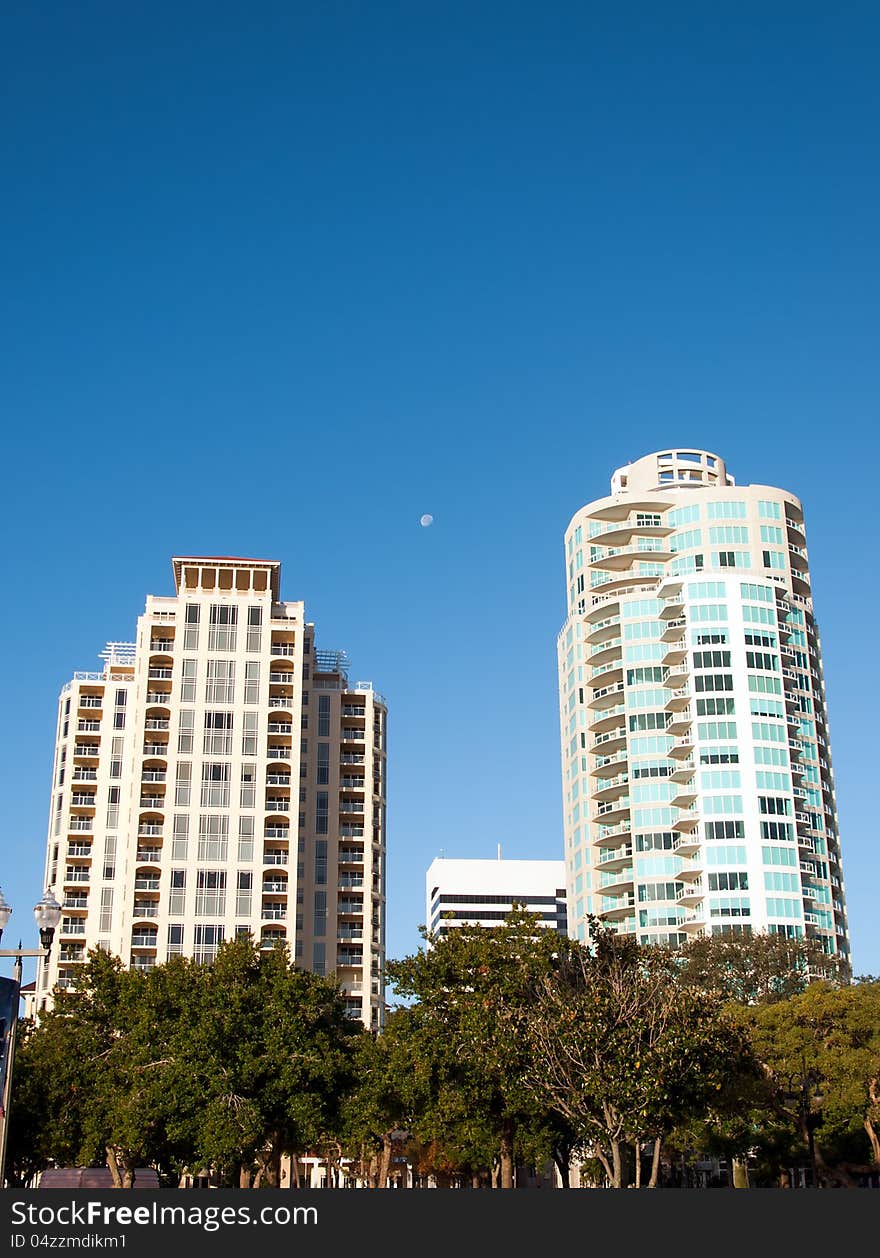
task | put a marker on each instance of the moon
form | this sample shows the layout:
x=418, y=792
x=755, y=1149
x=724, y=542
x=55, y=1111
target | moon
x=426, y=521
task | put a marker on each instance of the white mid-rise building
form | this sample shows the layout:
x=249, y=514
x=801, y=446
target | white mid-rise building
x=483, y=893
x=219, y=776
x=697, y=783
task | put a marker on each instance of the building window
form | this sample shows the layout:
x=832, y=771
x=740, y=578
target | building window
x=210, y=893
x=255, y=620
x=185, y=726
x=218, y=734
x=245, y=838
x=222, y=627
x=220, y=685
x=252, y=681
x=180, y=838
x=247, y=798
x=249, y=733
x=182, y=783
x=191, y=627
x=207, y=943
x=321, y=813
x=188, y=681
x=323, y=765
x=243, y=893
x=319, y=958
x=323, y=716
x=214, y=837
x=320, y=861
x=215, y=785
x=175, y=939
x=177, y=897
x=320, y=919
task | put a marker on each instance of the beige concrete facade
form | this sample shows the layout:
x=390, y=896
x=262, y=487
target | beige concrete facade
x=698, y=790
x=221, y=775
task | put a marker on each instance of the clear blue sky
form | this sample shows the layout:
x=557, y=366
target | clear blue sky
x=278, y=278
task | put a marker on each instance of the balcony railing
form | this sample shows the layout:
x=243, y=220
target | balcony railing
x=278, y=779
x=86, y=749
x=156, y=722
x=81, y=823
x=275, y=888
x=351, y=757
x=280, y=727
x=148, y=855
x=281, y=678
x=277, y=805
x=91, y=701
x=274, y=858
x=146, y=884
x=85, y=775
x=271, y=913
x=79, y=849
x=148, y=909
x=148, y=828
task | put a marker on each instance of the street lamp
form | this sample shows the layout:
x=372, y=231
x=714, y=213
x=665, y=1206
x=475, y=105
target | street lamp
x=47, y=913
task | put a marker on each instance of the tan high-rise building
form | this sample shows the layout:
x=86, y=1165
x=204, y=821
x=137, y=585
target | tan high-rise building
x=219, y=776
x=697, y=782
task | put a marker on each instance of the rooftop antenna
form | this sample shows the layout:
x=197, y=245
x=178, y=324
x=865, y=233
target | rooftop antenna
x=499, y=851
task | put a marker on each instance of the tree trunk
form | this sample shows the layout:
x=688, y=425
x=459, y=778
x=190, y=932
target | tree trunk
x=244, y=1176
x=294, y=1170
x=387, y=1148
x=113, y=1166
x=875, y=1142
x=740, y=1173
x=655, y=1164
x=616, y=1165
x=637, y=1148
x=562, y=1165
x=496, y=1172
x=506, y=1154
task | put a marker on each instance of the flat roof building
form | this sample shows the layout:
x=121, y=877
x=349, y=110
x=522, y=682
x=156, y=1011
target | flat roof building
x=483, y=892
x=220, y=776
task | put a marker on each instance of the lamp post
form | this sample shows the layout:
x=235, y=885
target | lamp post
x=47, y=913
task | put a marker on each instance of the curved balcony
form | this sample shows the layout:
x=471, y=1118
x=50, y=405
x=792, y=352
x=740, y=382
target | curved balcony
x=612, y=788
x=682, y=748
x=687, y=819
x=603, y=652
x=618, y=912
x=606, y=679
x=687, y=843
x=684, y=796
x=694, y=923
x=675, y=655
x=674, y=630
x=616, y=881
x=680, y=721
x=612, y=836
x=676, y=677
x=615, y=857
x=610, y=740
x=616, y=810
x=679, y=698
x=620, y=558
x=691, y=869
x=603, y=764
x=605, y=626
x=607, y=698
x=683, y=771
x=692, y=893
x=160, y=666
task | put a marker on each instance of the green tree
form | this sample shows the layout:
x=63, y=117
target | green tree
x=228, y=1065
x=756, y=969
x=473, y=986
x=820, y=1052
x=626, y=1052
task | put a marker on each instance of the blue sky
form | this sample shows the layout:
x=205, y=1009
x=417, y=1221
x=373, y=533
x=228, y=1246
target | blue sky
x=279, y=278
